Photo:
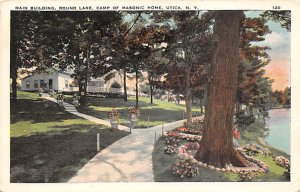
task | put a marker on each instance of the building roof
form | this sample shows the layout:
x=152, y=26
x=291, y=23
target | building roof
x=53, y=70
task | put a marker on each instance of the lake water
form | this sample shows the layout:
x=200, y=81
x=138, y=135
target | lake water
x=279, y=124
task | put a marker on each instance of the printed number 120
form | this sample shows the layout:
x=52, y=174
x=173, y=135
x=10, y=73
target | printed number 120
x=276, y=7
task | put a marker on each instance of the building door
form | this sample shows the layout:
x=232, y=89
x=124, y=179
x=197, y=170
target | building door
x=50, y=84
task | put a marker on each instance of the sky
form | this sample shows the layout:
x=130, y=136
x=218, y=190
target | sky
x=280, y=54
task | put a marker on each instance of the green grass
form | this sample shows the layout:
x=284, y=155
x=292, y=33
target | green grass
x=49, y=144
x=27, y=128
x=275, y=170
x=160, y=112
x=250, y=135
x=275, y=174
x=32, y=114
x=28, y=95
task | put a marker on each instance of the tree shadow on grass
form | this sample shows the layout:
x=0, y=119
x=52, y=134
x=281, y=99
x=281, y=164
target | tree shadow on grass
x=38, y=111
x=116, y=102
x=55, y=158
x=156, y=114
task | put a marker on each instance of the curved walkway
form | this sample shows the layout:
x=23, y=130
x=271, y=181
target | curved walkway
x=71, y=109
x=127, y=160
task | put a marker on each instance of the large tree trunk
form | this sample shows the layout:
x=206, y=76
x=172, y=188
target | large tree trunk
x=187, y=91
x=217, y=147
x=14, y=62
x=136, y=90
x=125, y=84
x=14, y=73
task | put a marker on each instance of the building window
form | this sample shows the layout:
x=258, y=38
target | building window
x=66, y=83
x=27, y=84
x=35, y=85
x=92, y=83
x=41, y=83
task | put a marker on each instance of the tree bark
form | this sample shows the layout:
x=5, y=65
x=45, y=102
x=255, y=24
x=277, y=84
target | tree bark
x=14, y=66
x=188, y=105
x=201, y=104
x=125, y=84
x=14, y=61
x=217, y=147
x=151, y=90
x=136, y=90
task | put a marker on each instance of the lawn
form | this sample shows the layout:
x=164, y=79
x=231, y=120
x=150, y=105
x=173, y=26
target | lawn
x=160, y=112
x=49, y=144
x=162, y=163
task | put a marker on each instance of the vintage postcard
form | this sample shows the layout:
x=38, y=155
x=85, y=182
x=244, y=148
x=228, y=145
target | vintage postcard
x=144, y=96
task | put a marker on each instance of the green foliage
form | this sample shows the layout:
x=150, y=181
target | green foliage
x=254, y=90
x=243, y=120
x=281, y=98
x=282, y=17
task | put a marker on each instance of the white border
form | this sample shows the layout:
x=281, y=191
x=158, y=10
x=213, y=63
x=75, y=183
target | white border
x=294, y=185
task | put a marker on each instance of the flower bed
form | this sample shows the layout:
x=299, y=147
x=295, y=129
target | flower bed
x=185, y=168
x=282, y=161
x=169, y=149
x=252, y=149
x=192, y=131
x=187, y=152
x=172, y=141
x=187, y=137
x=195, y=128
x=245, y=176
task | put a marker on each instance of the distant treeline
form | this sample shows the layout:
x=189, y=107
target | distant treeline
x=281, y=98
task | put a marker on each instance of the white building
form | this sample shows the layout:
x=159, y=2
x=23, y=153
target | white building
x=62, y=81
x=54, y=79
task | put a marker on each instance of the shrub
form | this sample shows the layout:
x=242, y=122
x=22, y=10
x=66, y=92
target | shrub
x=115, y=85
x=244, y=120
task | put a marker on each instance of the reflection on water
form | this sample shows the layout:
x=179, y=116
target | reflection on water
x=280, y=129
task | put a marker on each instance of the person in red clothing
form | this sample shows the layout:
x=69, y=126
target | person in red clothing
x=236, y=135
